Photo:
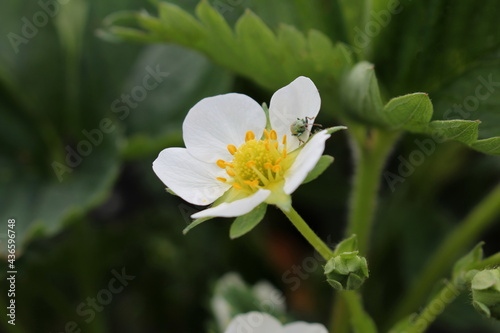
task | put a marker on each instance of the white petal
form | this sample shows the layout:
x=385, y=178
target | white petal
x=254, y=322
x=235, y=208
x=302, y=327
x=305, y=161
x=299, y=99
x=215, y=122
x=191, y=179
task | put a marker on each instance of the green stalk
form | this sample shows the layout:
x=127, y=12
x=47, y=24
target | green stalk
x=308, y=233
x=491, y=261
x=478, y=220
x=443, y=298
x=371, y=149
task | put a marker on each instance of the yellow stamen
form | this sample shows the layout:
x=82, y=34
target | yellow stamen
x=276, y=168
x=266, y=134
x=232, y=149
x=284, y=139
x=222, y=179
x=284, y=152
x=249, y=136
x=267, y=165
x=221, y=164
x=276, y=144
x=252, y=183
x=273, y=135
x=237, y=186
x=278, y=160
x=251, y=164
x=230, y=172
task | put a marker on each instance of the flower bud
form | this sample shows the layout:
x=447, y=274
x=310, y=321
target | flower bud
x=485, y=287
x=346, y=271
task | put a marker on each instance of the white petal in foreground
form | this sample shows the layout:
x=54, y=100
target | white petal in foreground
x=302, y=327
x=299, y=99
x=305, y=161
x=191, y=179
x=254, y=322
x=235, y=208
x=216, y=122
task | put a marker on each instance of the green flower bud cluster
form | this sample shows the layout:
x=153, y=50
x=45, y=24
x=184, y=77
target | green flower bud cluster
x=485, y=287
x=346, y=270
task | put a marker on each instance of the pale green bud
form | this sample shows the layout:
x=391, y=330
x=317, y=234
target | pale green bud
x=485, y=287
x=346, y=271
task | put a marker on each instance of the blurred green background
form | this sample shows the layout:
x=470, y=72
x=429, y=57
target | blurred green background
x=85, y=211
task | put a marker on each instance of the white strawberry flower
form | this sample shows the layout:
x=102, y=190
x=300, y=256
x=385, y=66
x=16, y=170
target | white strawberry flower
x=231, y=156
x=259, y=322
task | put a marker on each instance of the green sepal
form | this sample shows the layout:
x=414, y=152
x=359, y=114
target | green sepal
x=347, y=245
x=245, y=223
x=196, y=223
x=462, y=267
x=323, y=163
x=485, y=287
x=169, y=190
x=331, y=130
x=346, y=270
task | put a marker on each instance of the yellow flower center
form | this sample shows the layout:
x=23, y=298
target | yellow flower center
x=256, y=163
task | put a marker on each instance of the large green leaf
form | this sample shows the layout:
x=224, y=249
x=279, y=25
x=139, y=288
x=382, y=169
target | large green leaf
x=427, y=43
x=60, y=147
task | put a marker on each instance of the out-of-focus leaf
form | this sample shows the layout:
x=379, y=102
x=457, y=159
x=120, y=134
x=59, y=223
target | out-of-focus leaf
x=40, y=202
x=442, y=39
x=474, y=95
x=262, y=51
x=165, y=82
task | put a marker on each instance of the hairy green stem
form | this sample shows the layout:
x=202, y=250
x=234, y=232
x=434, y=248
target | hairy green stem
x=457, y=242
x=436, y=306
x=491, y=261
x=308, y=233
x=371, y=148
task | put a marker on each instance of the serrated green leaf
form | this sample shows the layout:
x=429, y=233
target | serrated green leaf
x=408, y=110
x=459, y=130
x=488, y=146
x=256, y=46
x=257, y=39
x=245, y=223
x=323, y=163
x=196, y=223
x=176, y=21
